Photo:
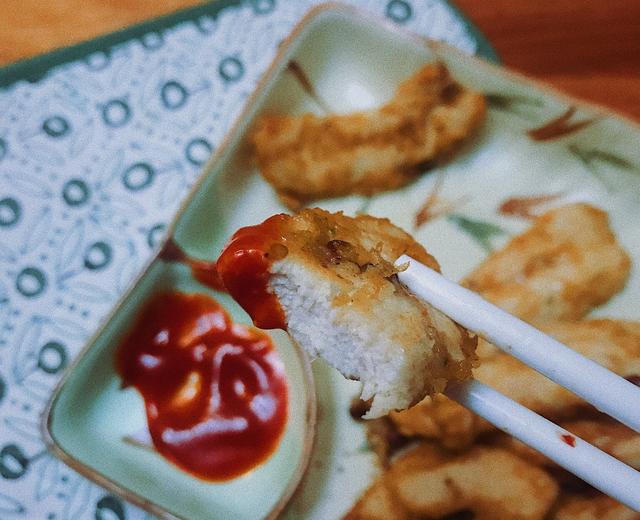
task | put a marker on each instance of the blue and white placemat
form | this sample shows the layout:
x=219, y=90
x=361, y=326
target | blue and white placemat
x=95, y=158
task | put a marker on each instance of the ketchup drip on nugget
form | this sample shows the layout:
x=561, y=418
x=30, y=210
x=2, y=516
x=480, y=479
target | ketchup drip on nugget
x=215, y=391
x=244, y=266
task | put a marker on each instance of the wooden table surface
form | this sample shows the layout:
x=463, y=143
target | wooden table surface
x=590, y=48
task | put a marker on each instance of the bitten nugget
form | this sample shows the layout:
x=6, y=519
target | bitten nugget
x=309, y=157
x=567, y=263
x=330, y=281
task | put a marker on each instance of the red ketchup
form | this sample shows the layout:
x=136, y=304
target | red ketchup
x=215, y=391
x=244, y=267
x=570, y=440
x=202, y=270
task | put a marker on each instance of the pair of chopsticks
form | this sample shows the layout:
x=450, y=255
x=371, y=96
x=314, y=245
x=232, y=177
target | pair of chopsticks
x=607, y=391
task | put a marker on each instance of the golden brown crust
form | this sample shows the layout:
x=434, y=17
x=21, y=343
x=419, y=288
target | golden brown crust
x=360, y=250
x=428, y=482
x=310, y=157
x=366, y=241
x=566, y=264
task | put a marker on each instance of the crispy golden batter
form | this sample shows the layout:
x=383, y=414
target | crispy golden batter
x=613, y=344
x=428, y=483
x=309, y=157
x=335, y=280
x=567, y=263
x=336, y=241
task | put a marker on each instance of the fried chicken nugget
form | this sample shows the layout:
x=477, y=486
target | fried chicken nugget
x=611, y=343
x=567, y=263
x=309, y=157
x=330, y=281
x=593, y=508
x=489, y=482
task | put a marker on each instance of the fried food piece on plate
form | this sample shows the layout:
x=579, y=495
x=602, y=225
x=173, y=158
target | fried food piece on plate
x=614, y=344
x=309, y=157
x=427, y=483
x=330, y=281
x=593, y=508
x=439, y=418
x=567, y=263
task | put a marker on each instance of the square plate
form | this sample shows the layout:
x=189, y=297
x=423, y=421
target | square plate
x=535, y=142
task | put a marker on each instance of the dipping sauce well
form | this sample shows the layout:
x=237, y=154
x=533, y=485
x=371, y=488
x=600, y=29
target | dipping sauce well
x=215, y=391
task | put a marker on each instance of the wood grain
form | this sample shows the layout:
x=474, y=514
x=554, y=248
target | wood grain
x=590, y=48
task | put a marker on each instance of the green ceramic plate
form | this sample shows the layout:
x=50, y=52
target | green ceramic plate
x=536, y=142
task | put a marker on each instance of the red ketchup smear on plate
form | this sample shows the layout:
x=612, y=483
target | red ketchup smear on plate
x=568, y=439
x=244, y=267
x=215, y=391
x=202, y=270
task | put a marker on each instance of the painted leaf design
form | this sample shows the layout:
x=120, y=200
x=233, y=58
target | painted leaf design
x=510, y=102
x=87, y=291
x=479, y=230
x=78, y=502
x=36, y=390
x=587, y=156
x=527, y=207
x=7, y=254
x=10, y=506
x=113, y=166
x=126, y=207
x=128, y=268
x=435, y=206
x=39, y=230
x=172, y=190
x=45, y=154
x=81, y=139
x=25, y=359
x=48, y=474
x=559, y=127
x=25, y=428
x=4, y=310
x=69, y=259
x=298, y=72
x=123, y=67
x=67, y=328
x=27, y=184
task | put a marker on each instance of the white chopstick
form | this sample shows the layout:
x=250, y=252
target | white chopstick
x=591, y=464
x=607, y=391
